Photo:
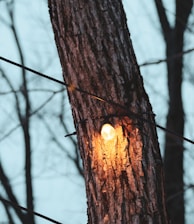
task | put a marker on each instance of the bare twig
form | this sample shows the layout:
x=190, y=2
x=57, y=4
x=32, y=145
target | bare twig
x=155, y=62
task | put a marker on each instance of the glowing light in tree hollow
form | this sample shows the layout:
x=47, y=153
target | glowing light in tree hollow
x=108, y=132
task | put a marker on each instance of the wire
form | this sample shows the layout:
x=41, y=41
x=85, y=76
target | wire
x=29, y=211
x=95, y=96
x=32, y=70
x=175, y=134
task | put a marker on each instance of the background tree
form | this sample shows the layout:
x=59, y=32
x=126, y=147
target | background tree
x=123, y=172
x=23, y=111
x=174, y=148
x=24, y=120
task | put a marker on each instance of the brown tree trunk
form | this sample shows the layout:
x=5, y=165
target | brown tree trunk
x=173, y=159
x=123, y=171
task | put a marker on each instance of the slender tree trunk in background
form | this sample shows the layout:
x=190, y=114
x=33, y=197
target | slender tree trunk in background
x=123, y=171
x=25, y=124
x=173, y=159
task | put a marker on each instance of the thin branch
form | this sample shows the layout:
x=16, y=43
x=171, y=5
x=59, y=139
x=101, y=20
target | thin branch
x=180, y=192
x=61, y=118
x=6, y=206
x=10, y=132
x=15, y=95
x=163, y=18
x=77, y=158
x=166, y=59
x=8, y=189
x=42, y=105
x=57, y=142
x=69, y=135
x=31, y=114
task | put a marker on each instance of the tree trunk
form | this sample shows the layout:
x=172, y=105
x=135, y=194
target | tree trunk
x=173, y=159
x=123, y=169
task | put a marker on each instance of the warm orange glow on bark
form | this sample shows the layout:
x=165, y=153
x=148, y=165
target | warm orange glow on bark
x=71, y=87
x=123, y=174
x=117, y=148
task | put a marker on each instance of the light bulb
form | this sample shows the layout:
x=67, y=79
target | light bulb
x=107, y=132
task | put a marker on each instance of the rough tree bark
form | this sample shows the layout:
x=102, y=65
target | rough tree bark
x=174, y=148
x=123, y=174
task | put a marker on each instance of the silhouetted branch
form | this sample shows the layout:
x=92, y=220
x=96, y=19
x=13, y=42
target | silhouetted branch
x=9, y=216
x=8, y=189
x=155, y=62
x=163, y=18
x=180, y=192
x=32, y=114
x=75, y=159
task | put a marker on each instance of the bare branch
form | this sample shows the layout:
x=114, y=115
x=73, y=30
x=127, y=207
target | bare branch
x=75, y=159
x=6, y=206
x=8, y=189
x=163, y=18
x=166, y=59
x=32, y=113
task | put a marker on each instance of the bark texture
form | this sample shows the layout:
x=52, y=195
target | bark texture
x=123, y=175
x=174, y=148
